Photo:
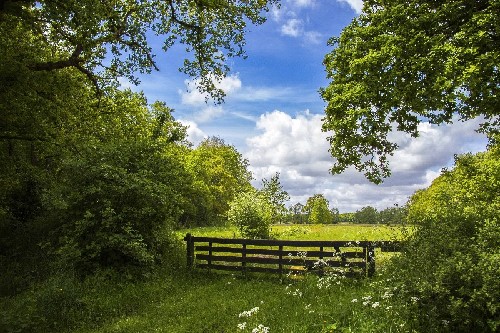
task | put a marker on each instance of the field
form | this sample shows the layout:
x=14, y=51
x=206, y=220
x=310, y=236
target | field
x=347, y=232
x=179, y=300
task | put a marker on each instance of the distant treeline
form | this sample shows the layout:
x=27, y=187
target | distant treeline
x=366, y=215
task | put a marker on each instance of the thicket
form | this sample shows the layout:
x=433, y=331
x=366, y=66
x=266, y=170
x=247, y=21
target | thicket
x=95, y=179
x=450, y=265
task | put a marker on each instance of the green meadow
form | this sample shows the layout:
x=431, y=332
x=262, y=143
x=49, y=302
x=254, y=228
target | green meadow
x=181, y=300
x=315, y=232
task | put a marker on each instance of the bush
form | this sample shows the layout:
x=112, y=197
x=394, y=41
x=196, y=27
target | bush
x=252, y=214
x=115, y=207
x=451, y=264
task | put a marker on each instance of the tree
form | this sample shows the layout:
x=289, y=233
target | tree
x=274, y=193
x=393, y=215
x=317, y=208
x=451, y=261
x=366, y=215
x=115, y=203
x=105, y=40
x=252, y=214
x=335, y=215
x=297, y=213
x=438, y=63
x=220, y=172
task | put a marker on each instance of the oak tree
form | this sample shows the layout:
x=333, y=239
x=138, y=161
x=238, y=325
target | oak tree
x=404, y=62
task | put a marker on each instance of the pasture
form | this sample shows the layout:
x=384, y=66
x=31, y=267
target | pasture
x=181, y=300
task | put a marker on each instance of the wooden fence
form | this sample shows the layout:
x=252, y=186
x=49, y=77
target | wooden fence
x=285, y=256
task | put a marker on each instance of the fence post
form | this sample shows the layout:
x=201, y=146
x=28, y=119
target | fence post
x=320, y=272
x=370, y=260
x=210, y=251
x=243, y=261
x=280, y=265
x=189, y=250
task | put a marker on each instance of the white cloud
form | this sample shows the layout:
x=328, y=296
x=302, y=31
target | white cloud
x=297, y=148
x=209, y=113
x=195, y=134
x=303, y=3
x=192, y=96
x=293, y=27
x=312, y=37
x=356, y=5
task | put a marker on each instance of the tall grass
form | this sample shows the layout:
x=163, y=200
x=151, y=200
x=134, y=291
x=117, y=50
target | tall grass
x=178, y=300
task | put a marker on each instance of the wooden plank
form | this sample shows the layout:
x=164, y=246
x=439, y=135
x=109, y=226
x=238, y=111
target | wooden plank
x=291, y=243
x=350, y=273
x=239, y=268
x=284, y=253
x=276, y=261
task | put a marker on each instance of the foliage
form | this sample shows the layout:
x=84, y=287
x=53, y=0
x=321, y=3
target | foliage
x=273, y=191
x=252, y=214
x=296, y=214
x=317, y=208
x=220, y=172
x=107, y=40
x=368, y=215
x=438, y=64
x=393, y=215
x=451, y=262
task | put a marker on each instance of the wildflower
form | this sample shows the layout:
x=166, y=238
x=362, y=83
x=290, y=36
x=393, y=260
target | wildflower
x=389, y=307
x=387, y=295
x=366, y=298
x=261, y=329
x=249, y=313
x=242, y=325
x=414, y=299
x=354, y=300
x=375, y=305
x=366, y=302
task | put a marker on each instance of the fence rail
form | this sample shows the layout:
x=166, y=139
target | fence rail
x=284, y=256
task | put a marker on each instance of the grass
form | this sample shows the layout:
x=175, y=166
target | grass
x=178, y=300
x=340, y=232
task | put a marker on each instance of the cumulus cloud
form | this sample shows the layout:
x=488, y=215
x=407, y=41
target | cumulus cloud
x=293, y=27
x=289, y=14
x=356, y=5
x=195, y=134
x=296, y=147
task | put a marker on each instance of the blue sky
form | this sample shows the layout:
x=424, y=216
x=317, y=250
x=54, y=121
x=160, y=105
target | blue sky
x=272, y=112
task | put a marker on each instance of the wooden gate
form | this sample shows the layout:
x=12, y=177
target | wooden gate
x=351, y=258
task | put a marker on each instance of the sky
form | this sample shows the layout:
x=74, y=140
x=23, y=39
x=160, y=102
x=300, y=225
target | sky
x=273, y=112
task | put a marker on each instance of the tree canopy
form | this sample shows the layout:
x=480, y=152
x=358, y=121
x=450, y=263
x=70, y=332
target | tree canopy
x=317, y=207
x=403, y=62
x=106, y=40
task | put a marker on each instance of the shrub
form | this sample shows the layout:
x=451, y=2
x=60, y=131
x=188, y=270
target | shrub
x=451, y=264
x=252, y=214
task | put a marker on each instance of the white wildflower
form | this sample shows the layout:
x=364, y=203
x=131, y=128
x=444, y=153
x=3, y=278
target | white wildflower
x=242, y=325
x=261, y=329
x=249, y=313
